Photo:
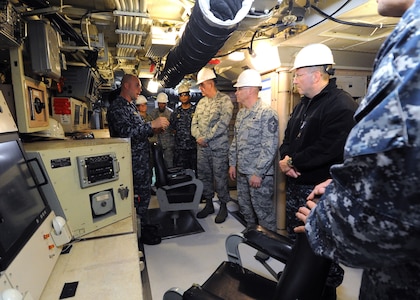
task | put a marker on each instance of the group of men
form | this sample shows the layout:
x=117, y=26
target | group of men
x=248, y=158
x=179, y=147
x=357, y=167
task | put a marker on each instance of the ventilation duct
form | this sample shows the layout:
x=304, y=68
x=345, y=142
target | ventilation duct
x=210, y=25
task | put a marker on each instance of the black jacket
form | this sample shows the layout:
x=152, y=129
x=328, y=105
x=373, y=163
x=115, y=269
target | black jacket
x=316, y=133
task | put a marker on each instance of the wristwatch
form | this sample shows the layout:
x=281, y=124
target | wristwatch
x=290, y=162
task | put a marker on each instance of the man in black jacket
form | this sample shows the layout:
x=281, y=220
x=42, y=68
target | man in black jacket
x=315, y=134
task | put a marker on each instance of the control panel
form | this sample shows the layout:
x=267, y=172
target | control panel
x=90, y=180
x=97, y=169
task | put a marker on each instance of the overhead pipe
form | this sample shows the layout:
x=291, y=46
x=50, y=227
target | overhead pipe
x=211, y=23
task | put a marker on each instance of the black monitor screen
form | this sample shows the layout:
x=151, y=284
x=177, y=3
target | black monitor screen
x=22, y=206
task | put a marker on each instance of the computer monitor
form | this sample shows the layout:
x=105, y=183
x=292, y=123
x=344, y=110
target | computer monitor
x=23, y=206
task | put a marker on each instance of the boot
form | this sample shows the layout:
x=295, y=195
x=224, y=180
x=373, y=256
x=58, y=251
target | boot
x=149, y=235
x=149, y=239
x=222, y=215
x=207, y=210
x=329, y=293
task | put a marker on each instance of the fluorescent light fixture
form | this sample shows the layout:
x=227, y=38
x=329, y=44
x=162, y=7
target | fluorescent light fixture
x=130, y=46
x=122, y=31
x=126, y=57
x=130, y=14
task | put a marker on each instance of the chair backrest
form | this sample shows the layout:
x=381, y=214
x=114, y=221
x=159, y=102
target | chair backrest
x=305, y=273
x=161, y=170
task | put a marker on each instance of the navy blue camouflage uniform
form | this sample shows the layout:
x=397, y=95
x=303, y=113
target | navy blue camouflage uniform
x=124, y=121
x=165, y=138
x=185, y=154
x=369, y=216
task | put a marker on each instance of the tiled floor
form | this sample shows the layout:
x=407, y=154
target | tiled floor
x=180, y=262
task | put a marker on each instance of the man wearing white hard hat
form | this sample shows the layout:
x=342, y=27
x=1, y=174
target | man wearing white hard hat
x=185, y=154
x=141, y=104
x=252, y=152
x=315, y=135
x=210, y=128
x=374, y=194
x=166, y=137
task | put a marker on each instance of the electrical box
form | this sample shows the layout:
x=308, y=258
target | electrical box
x=44, y=44
x=31, y=99
x=31, y=102
x=356, y=86
x=92, y=180
x=81, y=83
x=73, y=114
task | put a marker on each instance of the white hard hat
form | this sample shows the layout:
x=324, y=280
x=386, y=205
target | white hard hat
x=183, y=88
x=12, y=294
x=249, y=77
x=313, y=55
x=162, y=98
x=205, y=74
x=55, y=130
x=141, y=100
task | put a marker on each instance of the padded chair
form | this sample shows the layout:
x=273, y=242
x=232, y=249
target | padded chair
x=303, y=276
x=177, y=188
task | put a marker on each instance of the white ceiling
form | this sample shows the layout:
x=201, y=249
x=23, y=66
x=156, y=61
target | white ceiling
x=348, y=37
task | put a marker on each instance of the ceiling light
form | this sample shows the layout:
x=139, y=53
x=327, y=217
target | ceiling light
x=266, y=57
x=236, y=56
x=153, y=86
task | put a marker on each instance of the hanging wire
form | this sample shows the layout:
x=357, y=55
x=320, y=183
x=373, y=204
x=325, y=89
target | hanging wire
x=360, y=24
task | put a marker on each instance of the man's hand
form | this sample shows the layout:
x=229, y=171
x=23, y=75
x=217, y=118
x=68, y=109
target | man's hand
x=286, y=169
x=202, y=142
x=312, y=198
x=302, y=215
x=232, y=172
x=318, y=190
x=255, y=181
x=160, y=123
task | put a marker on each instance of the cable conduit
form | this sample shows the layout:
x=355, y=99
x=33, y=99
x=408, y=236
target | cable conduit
x=211, y=23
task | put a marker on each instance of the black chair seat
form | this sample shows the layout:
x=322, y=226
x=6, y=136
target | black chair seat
x=183, y=194
x=303, y=277
x=177, y=179
x=233, y=282
x=262, y=239
x=177, y=188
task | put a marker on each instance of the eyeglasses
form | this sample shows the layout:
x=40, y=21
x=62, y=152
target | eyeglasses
x=184, y=94
x=241, y=88
x=300, y=75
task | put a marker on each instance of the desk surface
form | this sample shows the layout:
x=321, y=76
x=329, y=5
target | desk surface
x=126, y=225
x=105, y=267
